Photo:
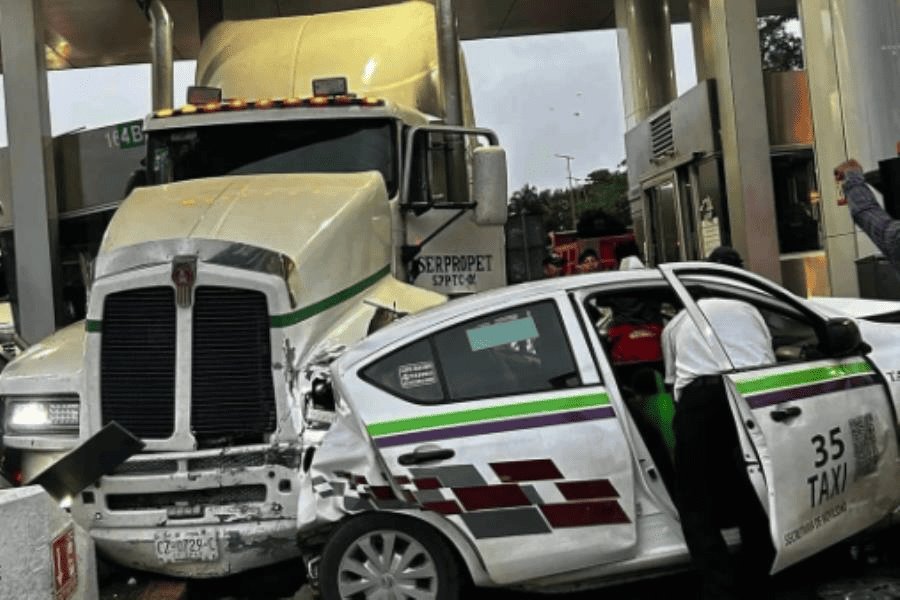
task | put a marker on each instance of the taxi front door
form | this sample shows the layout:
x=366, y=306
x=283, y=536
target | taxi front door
x=819, y=440
x=499, y=422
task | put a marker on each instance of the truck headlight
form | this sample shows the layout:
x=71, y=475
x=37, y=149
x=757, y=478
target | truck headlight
x=40, y=415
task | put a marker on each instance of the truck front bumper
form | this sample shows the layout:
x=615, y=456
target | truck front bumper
x=196, y=514
x=241, y=547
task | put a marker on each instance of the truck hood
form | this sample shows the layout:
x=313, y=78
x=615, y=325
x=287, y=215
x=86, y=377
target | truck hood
x=295, y=215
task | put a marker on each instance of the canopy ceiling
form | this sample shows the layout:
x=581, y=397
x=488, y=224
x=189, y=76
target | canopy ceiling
x=90, y=33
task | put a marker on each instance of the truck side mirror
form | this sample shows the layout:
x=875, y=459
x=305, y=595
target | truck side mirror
x=489, y=185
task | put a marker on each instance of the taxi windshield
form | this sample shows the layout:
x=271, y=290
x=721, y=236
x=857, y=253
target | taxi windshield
x=309, y=146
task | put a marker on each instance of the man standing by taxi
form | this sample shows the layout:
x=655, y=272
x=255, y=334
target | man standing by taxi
x=710, y=473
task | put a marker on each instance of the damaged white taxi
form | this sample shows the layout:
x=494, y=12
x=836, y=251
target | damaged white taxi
x=521, y=437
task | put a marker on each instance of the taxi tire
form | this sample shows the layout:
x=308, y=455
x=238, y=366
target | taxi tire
x=445, y=562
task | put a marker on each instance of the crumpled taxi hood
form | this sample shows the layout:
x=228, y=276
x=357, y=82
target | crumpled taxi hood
x=279, y=212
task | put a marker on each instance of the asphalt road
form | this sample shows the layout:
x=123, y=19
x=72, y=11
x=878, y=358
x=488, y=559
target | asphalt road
x=867, y=571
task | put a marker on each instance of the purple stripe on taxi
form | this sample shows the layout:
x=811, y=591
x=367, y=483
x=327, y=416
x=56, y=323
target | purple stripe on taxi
x=807, y=391
x=488, y=427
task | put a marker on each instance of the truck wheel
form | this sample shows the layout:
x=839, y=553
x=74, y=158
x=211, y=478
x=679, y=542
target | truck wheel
x=386, y=556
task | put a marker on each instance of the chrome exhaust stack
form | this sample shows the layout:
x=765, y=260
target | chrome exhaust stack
x=161, y=49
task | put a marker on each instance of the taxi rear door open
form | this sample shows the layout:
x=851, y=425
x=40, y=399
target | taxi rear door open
x=823, y=434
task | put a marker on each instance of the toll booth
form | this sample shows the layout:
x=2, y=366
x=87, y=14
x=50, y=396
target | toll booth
x=677, y=189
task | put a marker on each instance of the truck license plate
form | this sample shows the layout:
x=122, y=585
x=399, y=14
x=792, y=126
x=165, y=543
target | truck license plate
x=186, y=546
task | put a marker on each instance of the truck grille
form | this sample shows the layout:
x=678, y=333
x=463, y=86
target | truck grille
x=137, y=358
x=232, y=395
x=223, y=496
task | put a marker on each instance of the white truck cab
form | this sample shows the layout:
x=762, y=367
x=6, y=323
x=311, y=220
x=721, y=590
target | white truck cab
x=272, y=228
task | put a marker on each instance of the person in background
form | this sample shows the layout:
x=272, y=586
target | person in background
x=588, y=262
x=553, y=265
x=628, y=255
x=726, y=255
x=868, y=215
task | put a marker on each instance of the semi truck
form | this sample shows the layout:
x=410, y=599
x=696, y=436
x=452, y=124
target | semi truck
x=307, y=195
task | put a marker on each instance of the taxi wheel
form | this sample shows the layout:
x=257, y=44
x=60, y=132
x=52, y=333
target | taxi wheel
x=387, y=556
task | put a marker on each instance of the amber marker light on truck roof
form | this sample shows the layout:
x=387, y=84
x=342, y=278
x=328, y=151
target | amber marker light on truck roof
x=265, y=103
x=318, y=101
x=165, y=112
x=372, y=101
x=187, y=109
x=292, y=102
x=211, y=107
x=237, y=104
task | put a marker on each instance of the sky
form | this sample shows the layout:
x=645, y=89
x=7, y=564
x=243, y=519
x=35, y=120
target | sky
x=543, y=95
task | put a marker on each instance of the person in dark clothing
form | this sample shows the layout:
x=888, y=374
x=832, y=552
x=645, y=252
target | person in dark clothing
x=588, y=261
x=553, y=266
x=710, y=471
x=868, y=215
x=726, y=255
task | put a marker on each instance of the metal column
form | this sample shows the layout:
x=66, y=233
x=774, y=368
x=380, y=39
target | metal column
x=32, y=180
x=645, y=57
x=744, y=135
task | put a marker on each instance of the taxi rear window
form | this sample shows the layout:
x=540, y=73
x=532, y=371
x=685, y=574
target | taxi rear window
x=516, y=351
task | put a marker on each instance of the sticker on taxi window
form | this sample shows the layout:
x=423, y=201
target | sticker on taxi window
x=414, y=375
x=500, y=334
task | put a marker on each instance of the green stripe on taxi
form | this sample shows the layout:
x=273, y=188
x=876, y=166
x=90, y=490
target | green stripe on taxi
x=488, y=413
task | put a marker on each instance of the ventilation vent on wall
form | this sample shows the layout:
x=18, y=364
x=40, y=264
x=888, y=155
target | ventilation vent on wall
x=662, y=144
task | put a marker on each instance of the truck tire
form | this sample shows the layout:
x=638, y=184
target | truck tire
x=377, y=553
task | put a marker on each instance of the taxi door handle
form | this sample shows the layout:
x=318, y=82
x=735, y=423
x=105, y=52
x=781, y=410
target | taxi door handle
x=779, y=415
x=423, y=456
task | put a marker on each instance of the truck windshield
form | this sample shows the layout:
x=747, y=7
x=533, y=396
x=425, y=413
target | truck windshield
x=311, y=146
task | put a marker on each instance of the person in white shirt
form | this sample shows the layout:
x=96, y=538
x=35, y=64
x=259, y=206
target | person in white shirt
x=738, y=325
x=709, y=467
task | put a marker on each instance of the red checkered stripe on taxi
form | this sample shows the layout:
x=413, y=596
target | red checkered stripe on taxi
x=533, y=497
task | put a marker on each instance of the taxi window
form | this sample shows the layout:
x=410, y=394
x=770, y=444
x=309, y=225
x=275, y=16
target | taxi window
x=517, y=351
x=409, y=373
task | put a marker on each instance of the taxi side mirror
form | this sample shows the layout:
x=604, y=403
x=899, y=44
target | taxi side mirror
x=842, y=338
x=489, y=185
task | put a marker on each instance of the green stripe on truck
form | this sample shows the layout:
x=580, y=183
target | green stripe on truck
x=300, y=315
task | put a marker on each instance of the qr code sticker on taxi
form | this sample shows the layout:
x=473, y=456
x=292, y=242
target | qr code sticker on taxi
x=865, y=448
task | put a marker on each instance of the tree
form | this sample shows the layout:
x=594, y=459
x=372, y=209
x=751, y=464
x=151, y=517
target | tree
x=602, y=201
x=779, y=49
x=607, y=191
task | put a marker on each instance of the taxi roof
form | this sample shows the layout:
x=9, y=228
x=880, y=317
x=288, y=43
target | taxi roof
x=525, y=292
x=409, y=326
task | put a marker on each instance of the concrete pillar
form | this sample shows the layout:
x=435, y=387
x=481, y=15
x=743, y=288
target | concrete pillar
x=701, y=31
x=645, y=57
x=44, y=554
x=32, y=179
x=744, y=135
x=853, y=63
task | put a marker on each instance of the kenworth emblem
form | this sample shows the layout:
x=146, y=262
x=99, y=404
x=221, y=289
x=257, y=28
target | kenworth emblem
x=184, y=274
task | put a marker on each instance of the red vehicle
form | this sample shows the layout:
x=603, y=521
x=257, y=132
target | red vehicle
x=569, y=246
